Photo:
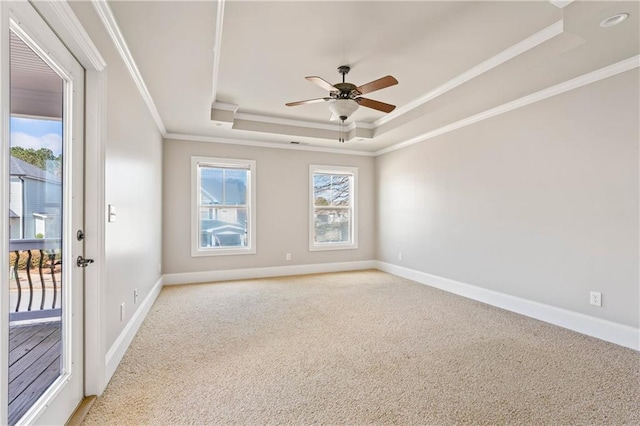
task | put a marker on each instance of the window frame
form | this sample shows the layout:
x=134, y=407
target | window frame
x=196, y=162
x=353, y=204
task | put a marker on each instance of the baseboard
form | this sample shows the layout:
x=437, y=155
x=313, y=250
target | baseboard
x=119, y=347
x=609, y=331
x=272, y=271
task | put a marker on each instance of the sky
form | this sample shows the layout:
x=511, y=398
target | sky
x=37, y=133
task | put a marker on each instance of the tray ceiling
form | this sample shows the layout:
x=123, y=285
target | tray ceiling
x=453, y=61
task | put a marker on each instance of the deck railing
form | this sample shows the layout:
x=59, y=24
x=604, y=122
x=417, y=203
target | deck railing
x=26, y=303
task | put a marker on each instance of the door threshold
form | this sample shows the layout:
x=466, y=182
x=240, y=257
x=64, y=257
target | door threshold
x=81, y=412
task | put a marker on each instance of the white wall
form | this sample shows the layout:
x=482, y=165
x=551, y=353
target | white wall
x=282, y=207
x=133, y=176
x=539, y=203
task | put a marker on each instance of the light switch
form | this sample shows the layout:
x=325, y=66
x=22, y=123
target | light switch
x=112, y=213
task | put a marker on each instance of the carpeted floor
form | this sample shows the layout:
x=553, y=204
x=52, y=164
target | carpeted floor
x=359, y=348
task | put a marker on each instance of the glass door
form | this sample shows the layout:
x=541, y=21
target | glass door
x=45, y=177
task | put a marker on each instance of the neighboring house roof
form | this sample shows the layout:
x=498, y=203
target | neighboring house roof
x=218, y=226
x=208, y=198
x=12, y=214
x=23, y=169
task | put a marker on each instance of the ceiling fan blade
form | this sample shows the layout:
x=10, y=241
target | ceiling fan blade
x=380, y=106
x=308, y=101
x=378, y=84
x=322, y=83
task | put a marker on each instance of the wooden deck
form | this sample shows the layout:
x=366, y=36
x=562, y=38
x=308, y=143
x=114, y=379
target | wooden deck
x=34, y=364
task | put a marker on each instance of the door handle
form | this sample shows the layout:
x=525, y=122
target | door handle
x=81, y=262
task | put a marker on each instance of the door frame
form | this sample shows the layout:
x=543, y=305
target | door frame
x=66, y=25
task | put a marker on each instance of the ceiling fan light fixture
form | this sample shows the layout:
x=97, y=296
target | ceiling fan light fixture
x=343, y=108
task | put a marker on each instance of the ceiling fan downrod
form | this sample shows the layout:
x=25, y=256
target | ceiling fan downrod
x=344, y=70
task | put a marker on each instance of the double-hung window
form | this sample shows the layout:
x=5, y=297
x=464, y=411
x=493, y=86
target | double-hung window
x=332, y=218
x=223, y=206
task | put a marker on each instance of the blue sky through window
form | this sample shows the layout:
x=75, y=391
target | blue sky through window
x=37, y=133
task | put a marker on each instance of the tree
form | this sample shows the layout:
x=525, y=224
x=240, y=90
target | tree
x=42, y=158
x=331, y=190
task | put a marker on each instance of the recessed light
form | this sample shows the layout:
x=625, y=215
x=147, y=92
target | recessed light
x=614, y=20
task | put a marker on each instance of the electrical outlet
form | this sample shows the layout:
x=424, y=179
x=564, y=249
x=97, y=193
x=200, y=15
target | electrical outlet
x=135, y=296
x=400, y=256
x=122, y=312
x=287, y=256
x=595, y=298
x=160, y=268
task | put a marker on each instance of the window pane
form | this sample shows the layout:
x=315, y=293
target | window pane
x=223, y=227
x=332, y=226
x=235, y=186
x=211, y=185
x=340, y=190
x=321, y=189
x=331, y=190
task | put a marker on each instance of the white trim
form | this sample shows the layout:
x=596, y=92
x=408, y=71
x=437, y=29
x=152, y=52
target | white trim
x=196, y=250
x=60, y=16
x=119, y=347
x=609, y=331
x=282, y=145
x=5, y=114
x=287, y=121
x=266, y=272
x=109, y=21
x=297, y=123
x=353, y=192
x=360, y=125
x=561, y=4
x=225, y=107
x=217, y=50
x=517, y=49
x=94, y=227
x=583, y=80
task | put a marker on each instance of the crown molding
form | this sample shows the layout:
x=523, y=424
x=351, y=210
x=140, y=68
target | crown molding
x=561, y=4
x=109, y=22
x=225, y=107
x=529, y=43
x=60, y=16
x=583, y=80
x=276, y=145
x=287, y=121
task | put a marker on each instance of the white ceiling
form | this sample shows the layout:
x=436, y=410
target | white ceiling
x=453, y=60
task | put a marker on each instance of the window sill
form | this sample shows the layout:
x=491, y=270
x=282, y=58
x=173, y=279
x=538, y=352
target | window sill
x=329, y=247
x=221, y=252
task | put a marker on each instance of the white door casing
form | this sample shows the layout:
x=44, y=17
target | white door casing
x=62, y=397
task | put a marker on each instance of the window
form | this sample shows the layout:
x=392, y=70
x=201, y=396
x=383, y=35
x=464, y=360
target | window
x=223, y=206
x=332, y=218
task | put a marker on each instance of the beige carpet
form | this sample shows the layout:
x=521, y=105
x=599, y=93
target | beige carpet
x=359, y=348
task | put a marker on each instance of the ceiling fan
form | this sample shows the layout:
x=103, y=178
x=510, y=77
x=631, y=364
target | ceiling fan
x=344, y=98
